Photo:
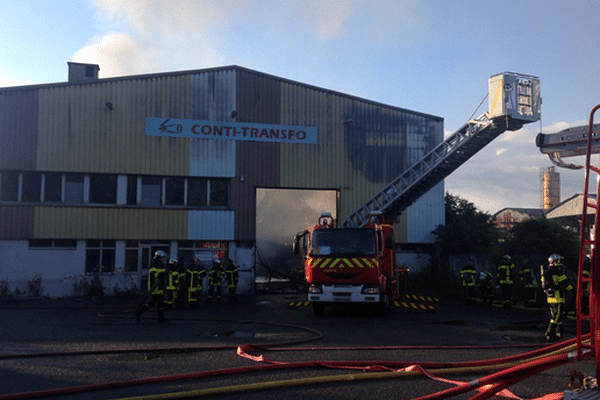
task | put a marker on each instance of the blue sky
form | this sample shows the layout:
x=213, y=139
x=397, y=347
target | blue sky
x=429, y=56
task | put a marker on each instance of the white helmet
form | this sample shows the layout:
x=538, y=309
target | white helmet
x=555, y=259
x=160, y=253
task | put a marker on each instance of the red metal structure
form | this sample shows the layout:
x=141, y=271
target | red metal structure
x=589, y=242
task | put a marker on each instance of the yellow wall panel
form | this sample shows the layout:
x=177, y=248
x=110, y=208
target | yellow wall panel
x=110, y=223
x=74, y=120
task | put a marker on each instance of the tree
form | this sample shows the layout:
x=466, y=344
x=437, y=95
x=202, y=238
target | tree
x=539, y=238
x=467, y=230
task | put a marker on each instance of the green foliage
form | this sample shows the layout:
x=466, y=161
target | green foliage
x=540, y=237
x=467, y=230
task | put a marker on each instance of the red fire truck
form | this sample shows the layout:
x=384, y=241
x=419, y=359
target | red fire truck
x=350, y=265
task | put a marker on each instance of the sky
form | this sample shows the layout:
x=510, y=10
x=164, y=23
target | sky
x=431, y=56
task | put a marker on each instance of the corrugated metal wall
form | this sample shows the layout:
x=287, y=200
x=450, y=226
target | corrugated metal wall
x=212, y=98
x=258, y=98
x=78, y=132
x=18, y=129
x=18, y=141
x=110, y=223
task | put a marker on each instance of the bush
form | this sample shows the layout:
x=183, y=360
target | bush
x=95, y=287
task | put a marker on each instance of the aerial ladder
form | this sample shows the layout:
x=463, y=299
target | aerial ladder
x=513, y=100
x=583, y=141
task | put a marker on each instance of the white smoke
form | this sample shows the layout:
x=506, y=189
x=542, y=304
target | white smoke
x=144, y=36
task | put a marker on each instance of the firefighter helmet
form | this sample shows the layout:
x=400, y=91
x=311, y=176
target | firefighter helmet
x=173, y=261
x=160, y=253
x=555, y=259
x=506, y=258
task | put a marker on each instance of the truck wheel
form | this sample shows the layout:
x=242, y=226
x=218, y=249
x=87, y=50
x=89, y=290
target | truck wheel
x=318, y=308
x=383, y=306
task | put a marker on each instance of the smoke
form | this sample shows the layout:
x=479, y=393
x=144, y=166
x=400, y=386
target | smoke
x=144, y=36
x=280, y=214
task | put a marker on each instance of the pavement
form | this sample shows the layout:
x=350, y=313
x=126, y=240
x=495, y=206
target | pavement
x=95, y=349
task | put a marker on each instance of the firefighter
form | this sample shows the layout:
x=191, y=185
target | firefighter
x=557, y=286
x=529, y=281
x=486, y=283
x=468, y=275
x=505, y=275
x=232, y=276
x=194, y=279
x=157, y=275
x=172, y=283
x=215, y=281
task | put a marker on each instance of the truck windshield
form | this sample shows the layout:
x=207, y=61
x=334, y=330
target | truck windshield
x=344, y=242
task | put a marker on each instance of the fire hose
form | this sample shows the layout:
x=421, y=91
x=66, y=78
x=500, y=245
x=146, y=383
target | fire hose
x=551, y=355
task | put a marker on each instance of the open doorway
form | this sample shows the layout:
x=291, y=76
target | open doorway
x=280, y=214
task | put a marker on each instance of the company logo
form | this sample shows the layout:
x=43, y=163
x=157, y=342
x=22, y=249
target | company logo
x=171, y=128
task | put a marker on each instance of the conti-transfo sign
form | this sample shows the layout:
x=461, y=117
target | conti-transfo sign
x=186, y=128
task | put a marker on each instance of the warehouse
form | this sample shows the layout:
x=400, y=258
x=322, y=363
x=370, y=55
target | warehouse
x=98, y=174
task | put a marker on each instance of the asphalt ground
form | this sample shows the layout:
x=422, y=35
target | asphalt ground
x=95, y=349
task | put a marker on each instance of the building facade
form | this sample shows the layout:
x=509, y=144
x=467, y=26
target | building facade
x=506, y=218
x=98, y=174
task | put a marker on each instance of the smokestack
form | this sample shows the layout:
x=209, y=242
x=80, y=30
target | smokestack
x=550, y=187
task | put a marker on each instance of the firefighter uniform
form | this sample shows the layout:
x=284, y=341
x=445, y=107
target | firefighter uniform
x=157, y=275
x=468, y=275
x=557, y=287
x=172, y=283
x=505, y=275
x=232, y=276
x=529, y=281
x=194, y=281
x=215, y=282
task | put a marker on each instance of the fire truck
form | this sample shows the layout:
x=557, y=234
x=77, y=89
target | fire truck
x=350, y=265
x=355, y=262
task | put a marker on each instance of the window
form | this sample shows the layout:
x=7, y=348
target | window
x=187, y=250
x=31, y=187
x=9, y=186
x=52, y=187
x=100, y=256
x=219, y=192
x=40, y=243
x=151, y=191
x=93, y=189
x=53, y=244
x=74, y=188
x=132, y=181
x=174, y=191
x=196, y=194
x=131, y=256
x=103, y=189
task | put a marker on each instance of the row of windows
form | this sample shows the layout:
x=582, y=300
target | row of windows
x=100, y=254
x=148, y=191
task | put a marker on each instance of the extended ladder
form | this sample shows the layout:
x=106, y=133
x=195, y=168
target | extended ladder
x=588, y=287
x=514, y=100
x=429, y=171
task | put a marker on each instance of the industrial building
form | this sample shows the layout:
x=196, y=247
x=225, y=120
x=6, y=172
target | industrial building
x=98, y=174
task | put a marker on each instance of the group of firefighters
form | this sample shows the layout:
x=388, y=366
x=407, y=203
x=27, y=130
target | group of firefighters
x=554, y=281
x=172, y=285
